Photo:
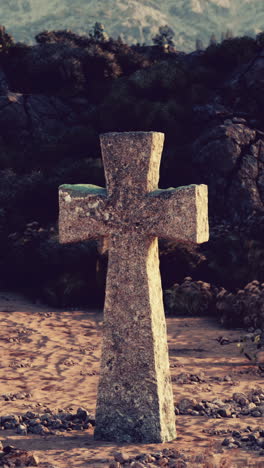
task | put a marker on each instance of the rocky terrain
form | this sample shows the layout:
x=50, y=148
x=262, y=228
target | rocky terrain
x=48, y=382
x=136, y=21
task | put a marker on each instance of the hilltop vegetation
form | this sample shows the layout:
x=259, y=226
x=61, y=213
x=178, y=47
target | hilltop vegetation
x=135, y=21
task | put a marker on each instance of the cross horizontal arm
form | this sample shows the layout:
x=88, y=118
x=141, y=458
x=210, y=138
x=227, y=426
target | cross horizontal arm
x=82, y=214
x=179, y=214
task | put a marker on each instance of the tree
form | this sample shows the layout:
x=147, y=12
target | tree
x=227, y=35
x=213, y=40
x=6, y=41
x=165, y=37
x=199, y=44
x=260, y=39
x=99, y=33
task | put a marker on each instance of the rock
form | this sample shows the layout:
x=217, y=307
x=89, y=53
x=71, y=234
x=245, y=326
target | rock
x=225, y=412
x=22, y=429
x=34, y=422
x=240, y=398
x=163, y=461
x=232, y=446
x=137, y=464
x=39, y=429
x=147, y=458
x=251, y=406
x=256, y=399
x=82, y=414
x=78, y=427
x=219, y=403
x=179, y=464
x=16, y=457
x=260, y=442
x=30, y=415
x=13, y=419
x=211, y=406
x=186, y=404
x=227, y=378
x=233, y=188
x=227, y=441
x=237, y=443
x=121, y=457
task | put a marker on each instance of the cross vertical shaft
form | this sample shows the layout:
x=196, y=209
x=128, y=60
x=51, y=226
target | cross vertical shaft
x=135, y=401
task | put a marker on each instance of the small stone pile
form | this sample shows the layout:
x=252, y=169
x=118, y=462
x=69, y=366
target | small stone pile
x=249, y=440
x=166, y=458
x=185, y=378
x=15, y=396
x=47, y=423
x=238, y=406
x=10, y=457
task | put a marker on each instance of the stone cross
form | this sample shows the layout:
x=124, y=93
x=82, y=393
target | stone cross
x=135, y=400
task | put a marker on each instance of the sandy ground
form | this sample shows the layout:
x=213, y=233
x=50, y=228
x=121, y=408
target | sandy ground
x=60, y=354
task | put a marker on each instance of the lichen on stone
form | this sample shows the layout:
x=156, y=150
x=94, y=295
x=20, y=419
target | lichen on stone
x=82, y=190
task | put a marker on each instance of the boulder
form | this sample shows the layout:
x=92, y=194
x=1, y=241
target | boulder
x=230, y=159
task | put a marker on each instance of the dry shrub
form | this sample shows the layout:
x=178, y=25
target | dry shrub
x=243, y=308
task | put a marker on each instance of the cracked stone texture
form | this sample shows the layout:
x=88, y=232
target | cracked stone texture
x=135, y=400
x=230, y=157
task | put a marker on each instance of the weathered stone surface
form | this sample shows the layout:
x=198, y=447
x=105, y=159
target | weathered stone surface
x=230, y=159
x=135, y=401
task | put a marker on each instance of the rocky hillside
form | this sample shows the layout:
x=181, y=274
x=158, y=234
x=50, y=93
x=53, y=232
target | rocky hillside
x=134, y=20
x=57, y=96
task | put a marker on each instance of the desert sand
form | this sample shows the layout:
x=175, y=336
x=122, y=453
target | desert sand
x=54, y=355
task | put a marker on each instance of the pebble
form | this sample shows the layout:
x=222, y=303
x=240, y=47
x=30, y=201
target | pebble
x=82, y=414
x=22, y=429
